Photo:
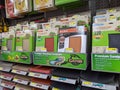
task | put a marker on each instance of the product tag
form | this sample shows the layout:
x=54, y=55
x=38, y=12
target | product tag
x=62, y=79
x=19, y=72
x=20, y=81
x=38, y=85
x=43, y=50
x=69, y=50
x=55, y=88
x=38, y=75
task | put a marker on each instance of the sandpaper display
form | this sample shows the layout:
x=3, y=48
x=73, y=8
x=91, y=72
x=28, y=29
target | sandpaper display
x=49, y=44
x=75, y=43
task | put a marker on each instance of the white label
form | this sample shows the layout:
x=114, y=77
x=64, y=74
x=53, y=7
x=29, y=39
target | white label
x=6, y=77
x=38, y=85
x=20, y=81
x=5, y=69
x=38, y=75
x=7, y=85
x=98, y=85
x=19, y=72
x=62, y=79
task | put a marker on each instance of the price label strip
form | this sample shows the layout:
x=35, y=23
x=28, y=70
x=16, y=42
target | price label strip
x=6, y=77
x=62, y=79
x=38, y=85
x=7, y=85
x=20, y=81
x=98, y=85
x=5, y=69
x=19, y=72
x=38, y=75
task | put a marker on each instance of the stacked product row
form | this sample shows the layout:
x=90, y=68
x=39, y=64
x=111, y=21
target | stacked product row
x=17, y=77
x=66, y=34
x=18, y=8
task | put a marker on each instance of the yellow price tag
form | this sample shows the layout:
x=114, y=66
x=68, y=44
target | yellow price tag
x=31, y=74
x=72, y=23
x=111, y=10
x=112, y=49
x=54, y=77
x=55, y=89
x=1, y=68
x=87, y=83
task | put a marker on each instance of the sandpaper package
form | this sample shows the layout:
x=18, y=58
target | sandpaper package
x=8, y=41
x=25, y=40
x=46, y=40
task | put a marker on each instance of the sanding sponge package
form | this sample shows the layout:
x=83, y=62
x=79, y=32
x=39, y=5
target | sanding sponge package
x=25, y=40
x=8, y=41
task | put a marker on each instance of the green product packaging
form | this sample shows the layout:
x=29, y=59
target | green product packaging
x=106, y=47
x=67, y=60
x=25, y=40
x=8, y=41
x=46, y=40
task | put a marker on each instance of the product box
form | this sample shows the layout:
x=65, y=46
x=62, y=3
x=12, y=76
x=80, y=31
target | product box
x=72, y=40
x=43, y=5
x=106, y=37
x=8, y=41
x=9, y=6
x=73, y=35
x=25, y=40
x=22, y=6
x=46, y=40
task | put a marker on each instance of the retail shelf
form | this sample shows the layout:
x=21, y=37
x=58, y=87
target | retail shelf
x=99, y=85
x=38, y=75
x=64, y=80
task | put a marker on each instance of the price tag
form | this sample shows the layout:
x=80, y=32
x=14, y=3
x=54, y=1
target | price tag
x=43, y=50
x=6, y=77
x=69, y=50
x=93, y=85
x=5, y=69
x=7, y=85
x=86, y=83
x=1, y=68
x=20, y=81
x=38, y=85
x=62, y=79
x=19, y=72
x=38, y=75
x=111, y=50
x=17, y=88
x=72, y=23
x=55, y=88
